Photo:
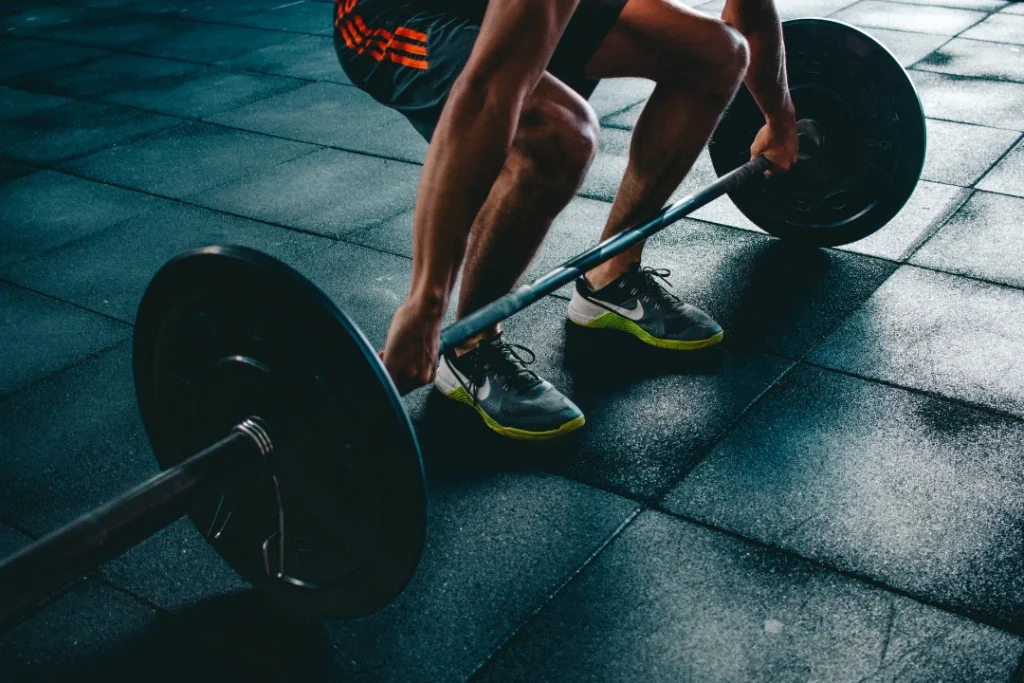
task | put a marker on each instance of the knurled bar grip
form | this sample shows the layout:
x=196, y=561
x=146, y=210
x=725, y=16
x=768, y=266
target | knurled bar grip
x=105, y=532
x=525, y=295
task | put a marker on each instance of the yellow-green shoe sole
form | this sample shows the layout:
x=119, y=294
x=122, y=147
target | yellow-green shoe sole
x=462, y=396
x=614, y=321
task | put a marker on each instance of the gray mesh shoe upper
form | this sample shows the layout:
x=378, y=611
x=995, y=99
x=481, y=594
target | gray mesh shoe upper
x=497, y=378
x=639, y=295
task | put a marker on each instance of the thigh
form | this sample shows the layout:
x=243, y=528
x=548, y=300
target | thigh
x=408, y=56
x=405, y=55
x=657, y=39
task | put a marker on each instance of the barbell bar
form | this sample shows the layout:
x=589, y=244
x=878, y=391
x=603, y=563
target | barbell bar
x=316, y=494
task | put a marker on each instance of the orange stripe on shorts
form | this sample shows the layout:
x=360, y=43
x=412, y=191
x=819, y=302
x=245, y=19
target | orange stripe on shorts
x=409, y=47
x=407, y=61
x=348, y=41
x=356, y=35
x=410, y=34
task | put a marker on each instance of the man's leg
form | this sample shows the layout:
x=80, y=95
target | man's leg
x=697, y=63
x=552, y=150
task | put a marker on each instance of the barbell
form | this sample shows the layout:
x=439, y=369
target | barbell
x=280, y=433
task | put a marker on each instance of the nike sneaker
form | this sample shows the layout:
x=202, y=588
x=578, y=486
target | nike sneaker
x=494, y=380
x=640, y=303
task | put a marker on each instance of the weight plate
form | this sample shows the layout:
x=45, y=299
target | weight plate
x=334, y=523
x=873, y=141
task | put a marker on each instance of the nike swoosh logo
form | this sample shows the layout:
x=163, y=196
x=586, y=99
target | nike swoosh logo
x=635, y=313
x=482, y=391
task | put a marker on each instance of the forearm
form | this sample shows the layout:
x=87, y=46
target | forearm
x=474, y=136
x=759, y=21
x=469, y=148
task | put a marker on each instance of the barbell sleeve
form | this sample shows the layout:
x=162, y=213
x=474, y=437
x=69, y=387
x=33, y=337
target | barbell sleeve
x=525, y=295
x=103, y=533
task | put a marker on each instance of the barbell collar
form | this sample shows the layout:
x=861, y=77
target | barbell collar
x=105, y=532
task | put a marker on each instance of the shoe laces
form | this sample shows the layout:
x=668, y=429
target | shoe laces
x=648, y=286
x=503, y=359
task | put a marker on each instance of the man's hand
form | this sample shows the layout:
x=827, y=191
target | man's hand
x=410, y=353
x=778, y=142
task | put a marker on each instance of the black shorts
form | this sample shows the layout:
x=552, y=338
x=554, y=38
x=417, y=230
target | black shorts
x=407, y=53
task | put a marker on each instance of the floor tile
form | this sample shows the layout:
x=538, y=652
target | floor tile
x=208, y=43
x=1001, y=28
x=40, y=336
x=615, y=94
x=20, y=56
x=929, y=206
x=202, y=93
x=74, y=130
x=936, y=332
x=46, y=209
x=959, y=154
x=983, y=240
x=298, y=17
x=980, y=5
x=102, y=76
x=329, y=192
x=14, y=7
x=943, y=21
x=168, y=164
x=978, y=59
x=10, y=170
x=797, y=9
x=11, y=540
x=174, y=569
x=670, y=601
x=116, y=30
x=109, y=271
x=1008, y=174
x=210, y=10
x=907, y=47
x=308, y=57
x=85, y=635
x=913, y=491
x=335, y=115
x=498, y=546
x=971, y=100
x=32, y=19
x=74, y=441
x=17, y=103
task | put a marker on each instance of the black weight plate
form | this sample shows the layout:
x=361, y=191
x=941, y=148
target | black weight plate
x=335, y=522
x=873, y=145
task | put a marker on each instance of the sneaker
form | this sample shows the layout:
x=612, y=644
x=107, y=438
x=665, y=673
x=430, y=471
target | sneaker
x=493, y=379
x=638, y=303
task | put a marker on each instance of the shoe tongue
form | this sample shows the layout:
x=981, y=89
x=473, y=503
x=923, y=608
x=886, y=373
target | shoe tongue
x=516, y=368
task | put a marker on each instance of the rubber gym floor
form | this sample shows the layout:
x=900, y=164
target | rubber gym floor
x=834, y=496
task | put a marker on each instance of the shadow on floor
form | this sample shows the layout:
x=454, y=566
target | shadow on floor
x=231, y=637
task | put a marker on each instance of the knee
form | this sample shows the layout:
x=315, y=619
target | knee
x=728, y=59
x=558, y=140
x=716, y=68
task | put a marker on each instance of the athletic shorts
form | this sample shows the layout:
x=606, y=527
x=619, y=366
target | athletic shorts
x=407, y=53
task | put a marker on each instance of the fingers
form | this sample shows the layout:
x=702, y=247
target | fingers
x=406, y=380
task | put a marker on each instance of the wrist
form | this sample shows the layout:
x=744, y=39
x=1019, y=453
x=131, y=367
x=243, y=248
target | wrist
x=428, y=304
x=784, y=117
